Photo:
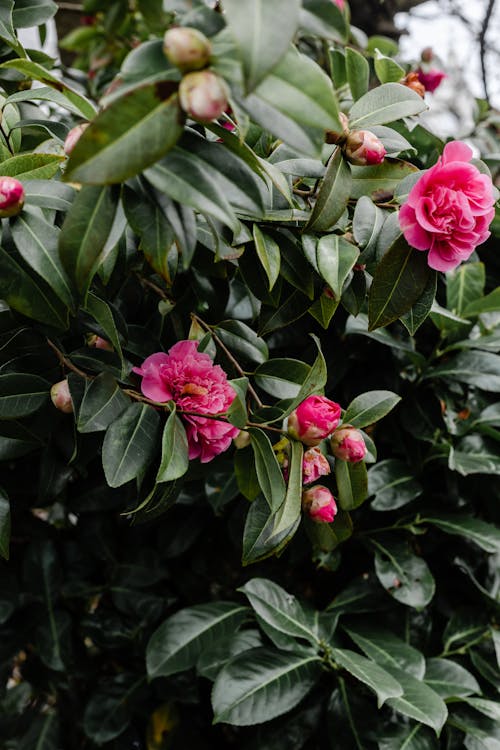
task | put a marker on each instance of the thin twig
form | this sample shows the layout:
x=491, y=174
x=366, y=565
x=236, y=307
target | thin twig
x=482, y=46
x=65, y=362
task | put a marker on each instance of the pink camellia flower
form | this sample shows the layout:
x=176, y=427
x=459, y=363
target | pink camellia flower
x=314, y=419
x=319, y=504
x=347, y=444
x=364, y=149
x=191, y=379
x=314, y=465
x=11, y=197
x=203, y=95
x=431, y=79
x=449, y=209
x=61, y=397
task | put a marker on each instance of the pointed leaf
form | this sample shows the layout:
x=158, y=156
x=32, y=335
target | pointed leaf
x=268, y=253
x=268, y=469
x=379, y=680
x=130, y=444
x=449, y=679
x=386, y=103
x=387, y=649
x=352, y=483
x=174, y=450
x=21, y=394
x=333, y=195
x=335, y=258
x=370, y=407
x=103, y=402
x=405, y=576
x=419, y=701
x=484, y=534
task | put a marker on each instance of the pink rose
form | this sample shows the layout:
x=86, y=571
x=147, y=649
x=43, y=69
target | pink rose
x=314, y=419
x=347, y=444
x=314, y=465
x=449, y=209
x=319, y=503
x=195, y=384
x=11, y=197
x=431, y=79
x=364, y=149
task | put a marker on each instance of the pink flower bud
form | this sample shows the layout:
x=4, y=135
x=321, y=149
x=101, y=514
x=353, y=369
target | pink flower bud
x=61, y=397
x=364, y=149
x=99, y=343
x=73, y=137
x=314, y=419
x=431, y=79
x=203, y=95
x=347, y=444
x=11, y=197
x=314, y=465
x=187, y=48
x=319, y=503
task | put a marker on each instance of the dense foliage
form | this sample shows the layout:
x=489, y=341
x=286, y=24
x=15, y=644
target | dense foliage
x=162, y=585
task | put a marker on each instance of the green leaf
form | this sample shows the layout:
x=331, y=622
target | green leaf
x=333, y=195
x=367, y=223
x=387, y=70
x=480, y=369
x=380, y=181
x=404, y=576
x=419, y=701
x=291, y=308
x=484, y=534
x=369, y=673
x=32, y=166
x=260, y=684
x=279, y=609
x=253, y=25
x=258, y=539
x=102, y=314
x=289, y=513
x=179, y=641
x=386, y=103
x=174, y=450
x=39, y=73
x=282, y=378
x=246, y=476
x=474, y=455
x=268, y=252
x=387, y=649
x=21, y=394
x=103, y=402
x=352, y=483
x=314, y=382
x=53, y=638
x=43, y=734
x=4, y=524
x=413, y=319
x=398, y=282
x=490, y=303
x=464, y=285
x=29, y=13
x=393, y=484
x=49, y=194
x=241, y=339
x=237, y=414
x=369, y=407
x=131, y=134
x=268, y=469
x=108, y=712
x=7, y=32
x=84, y=234
x=358, y=72
x=324, y=18
x=130, y=444
x=335, y=258
x=37, y=243
x=417, y=737
x=449, y=679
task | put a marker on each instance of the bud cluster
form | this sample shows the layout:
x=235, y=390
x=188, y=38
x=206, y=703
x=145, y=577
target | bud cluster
x=203, y=94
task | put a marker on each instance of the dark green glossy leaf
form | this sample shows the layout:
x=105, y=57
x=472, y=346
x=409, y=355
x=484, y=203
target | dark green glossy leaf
x=387, y=649
x=335, y=258
x=379, y=182
x=333, y=195
x=413, y=319
x=369, y=673
x=281, y=378
x=480, y=369
x=352, y=483
x=484, y=534
x=174, y=450
x=370, y=407
x=405, y=576
x=129, y=444
x=102, y=404
x=22, y=394
x=393, y=484
x=419, y=701
x=268, y=470
x=241, y=339
x=449, y=679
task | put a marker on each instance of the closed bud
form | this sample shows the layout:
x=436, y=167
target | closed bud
x=11, y=197
x=73, y=137
x=314, y=419
x=61, y=397
x=99, y=343
x=319, y=504
x=347, y=444
x=364, y=149
x=203, y=95
x=427, y=55
x=412, y=81
x=242, y=439
x=187, y=48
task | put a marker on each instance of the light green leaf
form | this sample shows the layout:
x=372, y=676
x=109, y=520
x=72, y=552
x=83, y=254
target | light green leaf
x=333, y=195
x=365, y=670
x=32, y=166
x=289, y=513
x=387, y=70
x=335, y=258
x=386, y=103
x=358, y=72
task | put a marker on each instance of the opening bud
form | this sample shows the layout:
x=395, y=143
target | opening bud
x=319, y=504
x=187, y=48
x=364, y=149
x=347, y=444
x=11, y=197
x=431, y=79
x=314, y=419
x=73, y=137
x=314, y=465
x=61, y=397
x=203, y=95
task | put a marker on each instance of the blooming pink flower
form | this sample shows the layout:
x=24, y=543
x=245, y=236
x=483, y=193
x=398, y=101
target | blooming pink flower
x=314, y=465
x=11, y=197
x=314, y=419
x=449, y=209
x=319, y=503
x=364, y=149
x=431, y=79
x=195, y=384
x=347, y=444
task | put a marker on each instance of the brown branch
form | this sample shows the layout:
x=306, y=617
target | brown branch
x=65, y=362
x=482, y=46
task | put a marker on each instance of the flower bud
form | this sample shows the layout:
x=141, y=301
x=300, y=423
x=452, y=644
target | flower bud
x=61, y=397
x=187, y=48
x=242, y=439
x=364, y=149
x=427, y=54
x=314, y=465
x=412, y=82
x=314, y=419
x=99, y=343
x=431, y=79
x=347, y=444
x=11, y=197
x=203, y=95
x=319, y=503
x=73, y=136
